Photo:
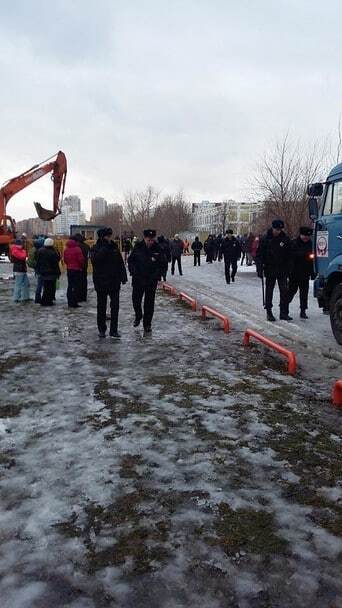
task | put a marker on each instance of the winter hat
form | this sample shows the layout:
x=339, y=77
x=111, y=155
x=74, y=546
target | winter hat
x=18, y=242
x=229, y=232
x=305, y=231
x=278, y=224
x=102, y=232
x=48, y=242
x=150, y=233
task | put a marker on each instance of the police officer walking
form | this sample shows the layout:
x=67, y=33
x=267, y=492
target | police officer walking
x=196, y=247
x=231, y=252
x=108, y=273
x=274, y=261
x=302, y=269
x=145, y=264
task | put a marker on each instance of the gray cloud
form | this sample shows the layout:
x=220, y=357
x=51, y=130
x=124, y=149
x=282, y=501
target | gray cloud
x=181, y=95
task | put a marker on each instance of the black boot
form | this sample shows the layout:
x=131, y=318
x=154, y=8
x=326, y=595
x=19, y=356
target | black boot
x=285, y=317
x=270, y=316
x=136, y=322
x=303, y=314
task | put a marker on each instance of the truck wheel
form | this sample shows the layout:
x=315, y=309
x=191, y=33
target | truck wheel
x=336, y=313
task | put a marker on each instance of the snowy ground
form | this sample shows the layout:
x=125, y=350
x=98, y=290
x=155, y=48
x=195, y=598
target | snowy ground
x=165, y=472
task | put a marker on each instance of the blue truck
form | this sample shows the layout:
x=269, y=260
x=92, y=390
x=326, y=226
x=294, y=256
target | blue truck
x=327, y=216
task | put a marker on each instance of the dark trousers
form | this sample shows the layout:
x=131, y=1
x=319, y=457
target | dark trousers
x=283, y=290
x=301, y=283
x=227, y=264
x=197, y=258
x=164, y=270
x=138, y=292
x=39, y=289
x=243, y=256
x=114, y=297
x=73, y=291
x=179, y=262
x=83, y=286
x=49, y=291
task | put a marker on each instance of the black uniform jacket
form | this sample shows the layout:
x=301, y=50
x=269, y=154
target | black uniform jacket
x=274, y=255
x=231, y=249
x=145, y=264
x=302, y=259
x=108, y=266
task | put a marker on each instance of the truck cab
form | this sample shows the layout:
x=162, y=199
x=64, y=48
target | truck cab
x=327, y=215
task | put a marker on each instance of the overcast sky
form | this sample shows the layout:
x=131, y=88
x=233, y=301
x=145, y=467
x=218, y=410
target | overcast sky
x=178, y=94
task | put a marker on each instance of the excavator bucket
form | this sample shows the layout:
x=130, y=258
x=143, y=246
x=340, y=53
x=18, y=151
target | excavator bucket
x=45, y=214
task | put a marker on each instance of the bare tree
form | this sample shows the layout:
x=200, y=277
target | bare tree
x=172, y=215
x=139, y=208
x=281, y=181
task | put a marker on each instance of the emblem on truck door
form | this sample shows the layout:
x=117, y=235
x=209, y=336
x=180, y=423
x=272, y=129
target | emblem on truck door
x=322, y=244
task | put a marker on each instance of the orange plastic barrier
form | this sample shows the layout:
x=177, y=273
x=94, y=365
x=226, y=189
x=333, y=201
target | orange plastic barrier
x=337, y=393
x=207, y=310
x=291, y=357
x=172, y=290
x=191, y=301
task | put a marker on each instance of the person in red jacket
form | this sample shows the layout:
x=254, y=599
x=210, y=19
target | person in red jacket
x=74, y=261
x=18, y=256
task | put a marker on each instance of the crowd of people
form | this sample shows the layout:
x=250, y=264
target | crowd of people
x=277, y=258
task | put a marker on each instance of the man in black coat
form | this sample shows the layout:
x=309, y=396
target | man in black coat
x=145, y=264
x=231, y=252
x=302, y=269
x=209, y=248
x=108, y=273
x=274, y=261
x=177, y=248
x=196, y=247
x=165, y=247
x=219, y=241
x=48, y=268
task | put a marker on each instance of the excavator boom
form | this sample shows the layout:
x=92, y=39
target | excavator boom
x=58, y=170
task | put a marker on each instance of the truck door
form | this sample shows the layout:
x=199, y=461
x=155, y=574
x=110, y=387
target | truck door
x=329, y=229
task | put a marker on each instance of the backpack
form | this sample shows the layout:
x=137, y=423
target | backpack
x=32, y=258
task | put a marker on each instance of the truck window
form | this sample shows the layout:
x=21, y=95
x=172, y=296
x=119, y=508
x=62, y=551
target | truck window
x=328, y=199
x=337, y=198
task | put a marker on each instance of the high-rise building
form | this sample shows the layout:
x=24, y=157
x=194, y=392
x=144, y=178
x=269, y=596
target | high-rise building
x=67, y=218
x=98, y=207
x=73, y=201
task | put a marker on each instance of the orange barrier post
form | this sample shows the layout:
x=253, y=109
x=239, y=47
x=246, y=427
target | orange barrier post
x=172, y=290
x=207, y=310
x=337, y=393
x=191, y=301
x=289, y=354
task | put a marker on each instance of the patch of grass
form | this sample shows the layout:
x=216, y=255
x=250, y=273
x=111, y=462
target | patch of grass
x=247, y=530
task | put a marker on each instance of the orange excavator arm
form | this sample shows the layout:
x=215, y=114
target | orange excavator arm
x=58, y=167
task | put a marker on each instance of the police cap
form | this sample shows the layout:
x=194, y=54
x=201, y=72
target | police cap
x=278, y=224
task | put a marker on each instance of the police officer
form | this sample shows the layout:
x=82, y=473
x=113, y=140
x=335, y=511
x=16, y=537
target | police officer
x=108, y=273
x=145, y=264
x=302, y=269
x=231, y=251
x=196, y=247
x=274, y=260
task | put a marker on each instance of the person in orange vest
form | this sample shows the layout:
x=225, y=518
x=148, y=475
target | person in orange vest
x=186, y=247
